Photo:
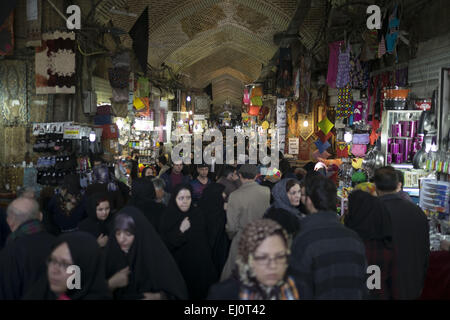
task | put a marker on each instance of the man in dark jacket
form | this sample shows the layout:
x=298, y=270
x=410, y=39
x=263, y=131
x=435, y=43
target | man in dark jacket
x=22, y=260
x=174, y=177
x=410, y=233
x=4, y=228
x=328, y=260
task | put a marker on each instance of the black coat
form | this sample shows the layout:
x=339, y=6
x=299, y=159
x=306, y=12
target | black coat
x=190, y=249
x=226, y=290
x=92, y=224
x=152, y=268
x=85, y=254
x=4, y=228
x=22, y=262
x=212, y=208
x=410, y=231
x=63, y=221
x=143, y=197
x=289, y=221
x=117, y=198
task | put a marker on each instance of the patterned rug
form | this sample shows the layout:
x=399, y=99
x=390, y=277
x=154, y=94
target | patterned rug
x=55, y=64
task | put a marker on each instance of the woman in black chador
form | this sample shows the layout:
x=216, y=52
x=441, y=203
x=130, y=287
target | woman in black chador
x=143, y=197
x=138, y=264
x=212, y=207
x=78, y=249
x=184, y=230
x=99, y=220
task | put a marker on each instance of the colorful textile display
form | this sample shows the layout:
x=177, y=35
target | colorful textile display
x=343, y=73
x=257, y=101
x=393, y=30
x=345, y=101
x=333, y=63
x=358, y=111
x=325, y=125
x=143, y=88
x=324, y=137
x=246, y=99
x=55, y=64
x=358, y=74
x=322, y=146
x=342, y=150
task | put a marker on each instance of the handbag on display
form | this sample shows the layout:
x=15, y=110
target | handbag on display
x=359, y=150
x=342, y=151
x=361, y=138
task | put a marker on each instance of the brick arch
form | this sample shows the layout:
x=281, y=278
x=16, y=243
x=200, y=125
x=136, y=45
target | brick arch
x=227, y=36
x=203, y=80
x=169, y=12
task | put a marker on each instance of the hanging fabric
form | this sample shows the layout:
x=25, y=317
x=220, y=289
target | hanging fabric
x=393, y=30
x=333, y=63
x=345, y=103
x=357, y=73
x=343, y=74
x=382, y=48
x=342, y=151
x=246, y=99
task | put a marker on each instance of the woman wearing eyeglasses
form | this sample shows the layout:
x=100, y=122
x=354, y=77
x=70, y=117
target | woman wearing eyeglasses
x=74, y=271
x=261, y=266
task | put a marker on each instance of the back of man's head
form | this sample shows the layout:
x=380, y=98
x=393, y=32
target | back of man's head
x=322, y=192
x=22, y=210
x=227, y=170
x=158, y=183
x=162, y=160
x=386, y=179
x=248, y=171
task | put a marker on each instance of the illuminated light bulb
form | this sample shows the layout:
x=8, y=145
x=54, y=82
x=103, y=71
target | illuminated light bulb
x=305, y=123
x=188, y=98
x=92, y=136
x=191, y=122
x=190, y=112
x=348, y=137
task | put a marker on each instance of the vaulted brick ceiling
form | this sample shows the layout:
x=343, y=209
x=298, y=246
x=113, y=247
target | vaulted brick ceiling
x=211, y=41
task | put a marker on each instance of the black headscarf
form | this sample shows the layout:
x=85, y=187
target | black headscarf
x=368, y=217
x=212, y=199
x=173, y=215
x=142, y=189
x=92, y=224
x=152, y=267
x=212, y=207
x=85, y=253
x=143, y=197
x=191, y=249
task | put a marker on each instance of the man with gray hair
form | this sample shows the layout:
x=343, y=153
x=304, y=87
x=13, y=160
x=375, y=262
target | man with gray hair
x=27, y=192
x=22, y=260
x=161, y=196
